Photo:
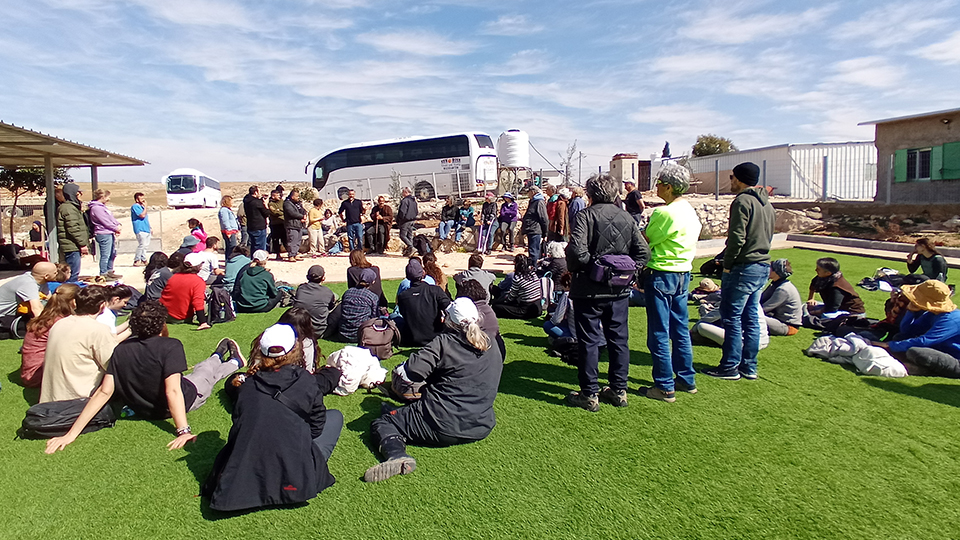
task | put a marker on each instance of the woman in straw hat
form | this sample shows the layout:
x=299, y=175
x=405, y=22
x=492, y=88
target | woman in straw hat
x=929, y=338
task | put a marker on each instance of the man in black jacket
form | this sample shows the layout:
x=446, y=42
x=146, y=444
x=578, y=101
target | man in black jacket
x=293, y=214
x=422, y=307
x=746, y=267
x=406, y=217
x=535, y=223
x=600, y=309
x=256, y=214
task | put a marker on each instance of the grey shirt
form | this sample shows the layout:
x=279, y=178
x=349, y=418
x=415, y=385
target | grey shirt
x=318, y=300
x=483, y=277
x=781, y=301
x=22, y=288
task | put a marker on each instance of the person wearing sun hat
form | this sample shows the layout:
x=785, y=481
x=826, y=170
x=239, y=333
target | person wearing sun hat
x=282, y=433
x=929, y=338
x=462, y=374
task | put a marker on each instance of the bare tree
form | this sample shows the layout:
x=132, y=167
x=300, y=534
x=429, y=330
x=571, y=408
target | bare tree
x=567, y=164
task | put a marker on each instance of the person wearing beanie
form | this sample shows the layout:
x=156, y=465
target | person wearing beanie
x=72, y=233
x=318, y=300
x=929, y=338
x=672, y=235
x=460, y=372
x=421, y=307
x=746, y=267
x=780, y=301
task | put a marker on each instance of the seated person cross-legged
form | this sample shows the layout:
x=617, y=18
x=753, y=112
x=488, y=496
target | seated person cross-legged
x=929, y=339
x=421, y=306
x=927, y=260
x=184, y=295
x=522, y=300
x=837, y=293
x=359, y=304
x=255, y=291
x=146, y=375
x=780, y=301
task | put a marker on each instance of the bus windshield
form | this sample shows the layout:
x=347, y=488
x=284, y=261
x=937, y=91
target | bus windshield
x=484, y=141
x=182, y=184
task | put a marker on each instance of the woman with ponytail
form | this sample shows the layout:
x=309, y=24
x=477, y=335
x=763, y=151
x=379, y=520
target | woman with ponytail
x=461, y=374
x=282, y=435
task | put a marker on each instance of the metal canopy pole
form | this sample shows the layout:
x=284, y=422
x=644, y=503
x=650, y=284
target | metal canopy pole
x=51, y=210
x=94, y=180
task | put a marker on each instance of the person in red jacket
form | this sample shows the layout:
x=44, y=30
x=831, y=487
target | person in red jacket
x=185, y=293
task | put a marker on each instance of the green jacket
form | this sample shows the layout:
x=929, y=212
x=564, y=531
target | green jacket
x=254, y=288
x=72, y=233
x=276, y=212
x=752, y=220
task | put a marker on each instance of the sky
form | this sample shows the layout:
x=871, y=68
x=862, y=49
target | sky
x=252, y=91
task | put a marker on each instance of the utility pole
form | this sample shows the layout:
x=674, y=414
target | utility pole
x=580, y=170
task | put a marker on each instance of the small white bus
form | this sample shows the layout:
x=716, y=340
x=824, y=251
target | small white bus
x=191, y=188
x=459, y=164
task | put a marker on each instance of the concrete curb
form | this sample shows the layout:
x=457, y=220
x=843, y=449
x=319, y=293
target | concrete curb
x=878, y=245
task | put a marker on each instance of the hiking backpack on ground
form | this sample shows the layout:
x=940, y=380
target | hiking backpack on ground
x=379, y=336
x=286, y=292
x=220, y=306
x=55, y=418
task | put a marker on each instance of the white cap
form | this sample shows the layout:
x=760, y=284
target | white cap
x=462, y=311
x=277, y=340
x=260, y=255
x=194, y=259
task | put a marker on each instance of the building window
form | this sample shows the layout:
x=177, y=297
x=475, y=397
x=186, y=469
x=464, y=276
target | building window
x=918, y=164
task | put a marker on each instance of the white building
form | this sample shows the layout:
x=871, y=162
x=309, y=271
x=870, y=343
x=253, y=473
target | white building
x=797, y=170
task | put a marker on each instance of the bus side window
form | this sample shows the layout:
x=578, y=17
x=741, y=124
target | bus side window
x=200, y=185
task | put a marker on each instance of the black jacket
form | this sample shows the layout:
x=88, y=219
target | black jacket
x=257, y=213
x=293, y=213
x=752, y=220
x=535, y=218
x=421, y=305
x=270, y=457
x=448, y=213
x=462, y=383
x=407, y=211
x=602, y=229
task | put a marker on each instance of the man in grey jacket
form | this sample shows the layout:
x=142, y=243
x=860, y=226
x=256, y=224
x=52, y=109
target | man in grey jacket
x=600, y=309
x=293, y=214
x=746, y=267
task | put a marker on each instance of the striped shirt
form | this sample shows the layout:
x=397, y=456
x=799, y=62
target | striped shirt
x=525, y=289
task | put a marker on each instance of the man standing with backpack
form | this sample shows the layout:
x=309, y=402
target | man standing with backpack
x=72, y=232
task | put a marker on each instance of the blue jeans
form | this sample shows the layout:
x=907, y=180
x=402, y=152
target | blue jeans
x=258, y=240
x=73, y=260
x=533, y=246
x=740, y=312
x=355, y=235
x=106, y=249
x=444, y=229
x=555, y=330
x=229, y=242
x=668, y=319
x=460, y=228
x=602, y=321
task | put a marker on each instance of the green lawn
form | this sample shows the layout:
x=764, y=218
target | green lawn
x=811, y=450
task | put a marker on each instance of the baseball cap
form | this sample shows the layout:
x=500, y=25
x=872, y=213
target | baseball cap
x=277, y=340
x=315, y=273
x=414, y=270
x=462, y=311
x=194, y=259
x=368, y=276
x=260, y=255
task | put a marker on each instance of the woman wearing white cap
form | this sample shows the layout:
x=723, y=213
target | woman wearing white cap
x=282, y=434
x=462, y=374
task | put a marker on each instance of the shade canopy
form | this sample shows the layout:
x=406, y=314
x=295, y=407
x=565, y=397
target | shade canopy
x=21, y=147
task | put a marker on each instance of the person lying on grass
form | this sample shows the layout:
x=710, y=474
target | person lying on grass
x=282, y=434
x=462, y=374
x=146, y=374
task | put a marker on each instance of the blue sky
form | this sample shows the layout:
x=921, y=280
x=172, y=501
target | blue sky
x=253, y=90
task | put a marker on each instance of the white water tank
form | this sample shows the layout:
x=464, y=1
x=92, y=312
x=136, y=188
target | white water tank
x=513, y=149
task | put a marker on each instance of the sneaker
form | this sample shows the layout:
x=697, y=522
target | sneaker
x=653, y=392
x=223, y=349
x=750, y=376
x=577, y=399
x=717, y=373
x=390, y=468
x=617, y=398
x=681, y=386
x=112, y=275
x=235, y=353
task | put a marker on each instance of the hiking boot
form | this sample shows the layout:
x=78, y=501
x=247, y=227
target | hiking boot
x=681, y=386
x=223, y=349
x=727, y=375
x=653, y=392
x=578, y=399
x=235, y=353
x=617, y=398
x=390, y=468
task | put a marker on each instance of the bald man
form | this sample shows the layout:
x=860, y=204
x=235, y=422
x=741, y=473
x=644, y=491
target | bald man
x=26, y=289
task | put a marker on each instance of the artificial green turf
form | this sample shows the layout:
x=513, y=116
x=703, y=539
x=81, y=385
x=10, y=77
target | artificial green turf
x=811, y=450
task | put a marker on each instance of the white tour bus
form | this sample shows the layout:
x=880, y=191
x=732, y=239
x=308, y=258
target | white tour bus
x=190, y=187
x=459, y=164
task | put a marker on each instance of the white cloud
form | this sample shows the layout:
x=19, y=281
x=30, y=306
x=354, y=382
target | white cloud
x=696, y=62
x=511, y=25
x=201, y=13
x=528, y=62
x=418, y=42
x=587, y=95
x=895, y=24
x=945, y=52
x=869, y=71
x=726, y=26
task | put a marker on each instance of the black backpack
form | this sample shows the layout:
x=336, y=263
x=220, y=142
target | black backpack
x=287, y=293
x=220, y=306
x=422, y=244
x=55, y=418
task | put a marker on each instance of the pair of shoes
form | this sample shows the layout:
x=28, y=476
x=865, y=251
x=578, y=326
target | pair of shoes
x=681, y=386
x=617, y=398
x=235, y=353
x=390, y=468
x=223, y=349
x=584, y=401
x=727, y=375
x=112, y=275
x=653, y=392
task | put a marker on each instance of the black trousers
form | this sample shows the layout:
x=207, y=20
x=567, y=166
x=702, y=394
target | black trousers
x=407, y=422
x=278, y=235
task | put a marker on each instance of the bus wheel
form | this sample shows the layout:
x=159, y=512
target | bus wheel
x=424, y=191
